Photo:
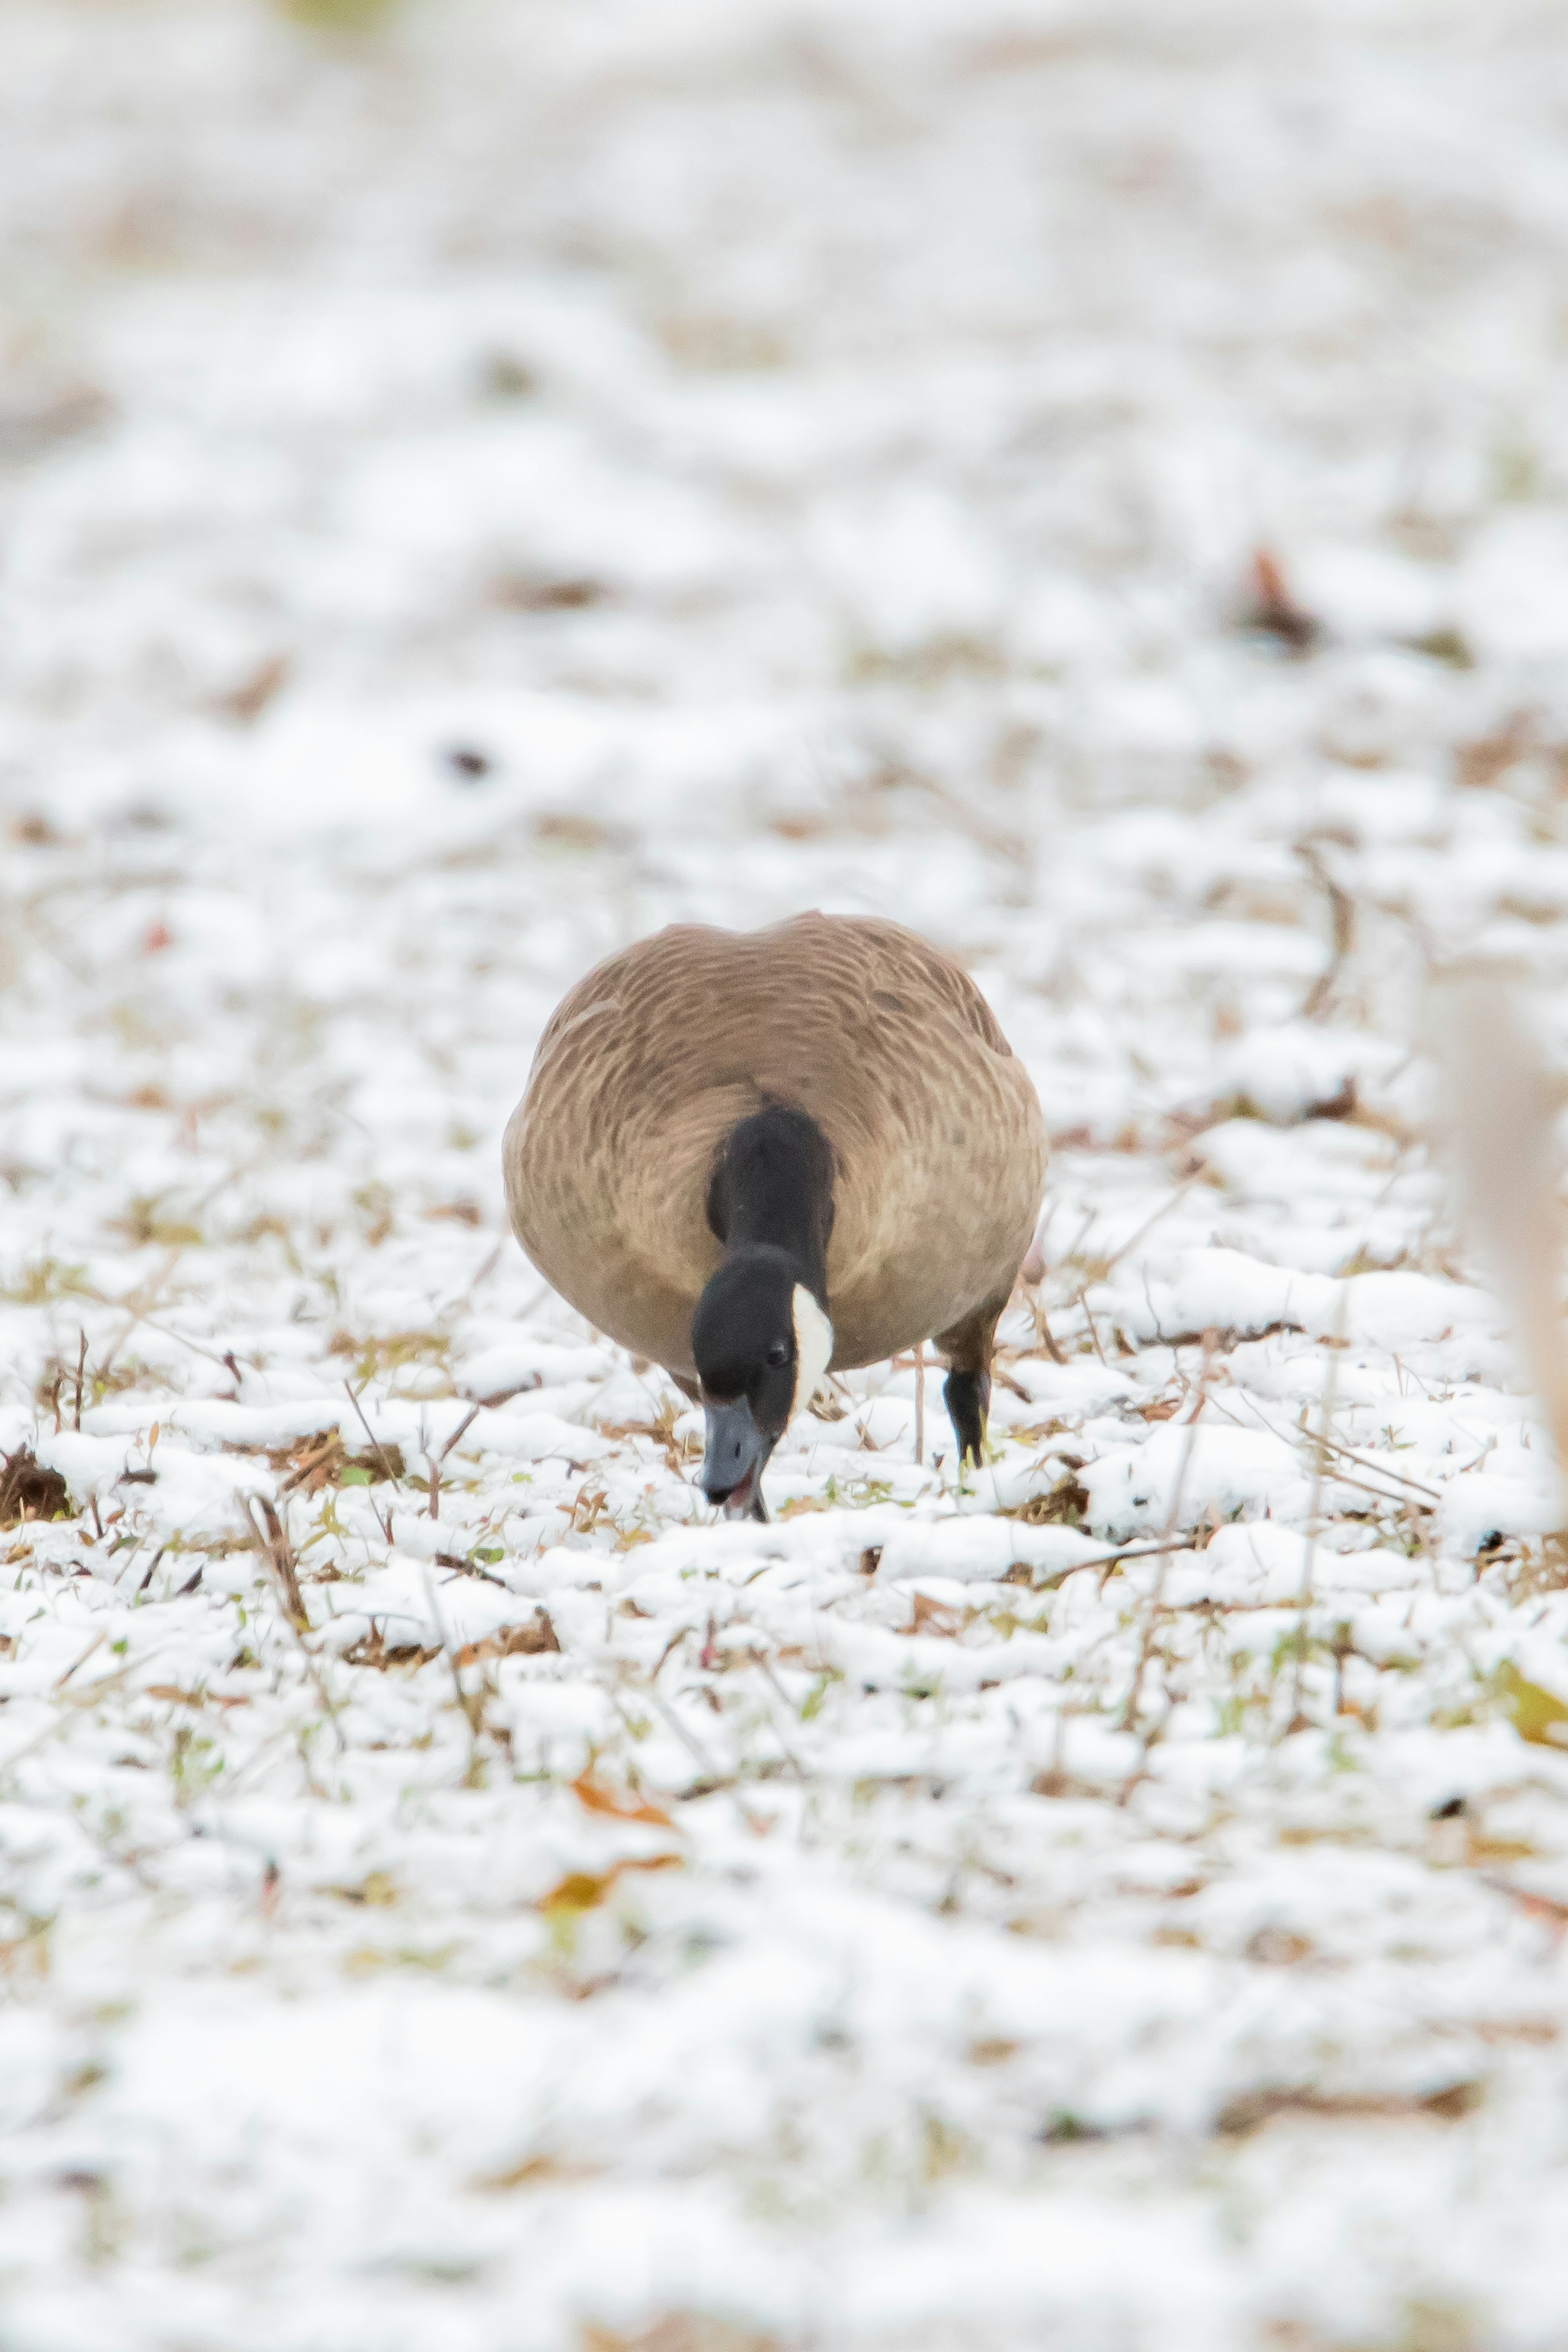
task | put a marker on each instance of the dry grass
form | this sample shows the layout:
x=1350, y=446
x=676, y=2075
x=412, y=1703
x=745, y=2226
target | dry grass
x=374, y=1650
x=314, y=1462
x=1063, y=1504
x=536, y=1639
x=28, y=1491
x=682, y=2331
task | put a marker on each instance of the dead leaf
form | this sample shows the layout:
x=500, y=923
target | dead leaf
x=532, y=2172
x=458, y=1213
x=600, y=1797
x=584, y=1890
x=376, y=1889
x=514, y=1642
x=991, y=2050
x=932, y=1617
x=245, y=702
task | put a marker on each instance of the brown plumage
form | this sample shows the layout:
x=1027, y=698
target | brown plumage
x=938, y=1143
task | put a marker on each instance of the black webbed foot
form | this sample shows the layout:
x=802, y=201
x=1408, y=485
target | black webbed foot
x=967, y=1396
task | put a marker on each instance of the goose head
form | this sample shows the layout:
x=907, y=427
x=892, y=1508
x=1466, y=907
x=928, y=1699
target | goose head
x=762, y=1342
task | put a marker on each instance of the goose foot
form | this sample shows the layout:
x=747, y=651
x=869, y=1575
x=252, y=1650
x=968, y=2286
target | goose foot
x=967, y=1389
x=967, y=1396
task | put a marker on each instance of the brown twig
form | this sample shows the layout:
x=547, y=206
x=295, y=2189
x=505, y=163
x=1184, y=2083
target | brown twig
x=279, y=1554
x=436, y=1460
x=375, y=1444
x=1042, y=1325
x=380, y=1450
x=1150, y=1223
x=276, y=1549
x=1333, y=1445
x=1274, y=611
x=1108, y=1560
x=1341, y=910
x=471, y=1702
x=1343, y=1477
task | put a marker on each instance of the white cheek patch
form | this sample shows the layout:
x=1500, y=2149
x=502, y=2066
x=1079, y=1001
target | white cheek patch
x=813, y=1347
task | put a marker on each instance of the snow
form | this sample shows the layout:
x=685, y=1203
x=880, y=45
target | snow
x=478, y=483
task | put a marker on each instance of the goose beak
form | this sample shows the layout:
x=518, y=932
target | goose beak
x=732, y=1465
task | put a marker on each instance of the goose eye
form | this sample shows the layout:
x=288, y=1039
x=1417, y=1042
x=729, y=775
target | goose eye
x=779, y=1352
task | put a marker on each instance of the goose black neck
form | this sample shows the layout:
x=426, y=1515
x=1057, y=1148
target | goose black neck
x=773, y=1184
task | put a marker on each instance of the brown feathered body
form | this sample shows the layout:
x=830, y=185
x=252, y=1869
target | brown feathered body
x=938, y=1142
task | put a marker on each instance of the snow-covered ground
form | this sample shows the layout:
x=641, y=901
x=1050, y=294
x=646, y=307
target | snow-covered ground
x=477, y=484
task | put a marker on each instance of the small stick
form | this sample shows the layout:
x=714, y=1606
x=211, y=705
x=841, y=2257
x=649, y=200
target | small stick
x=1150, y=1223
x=384, y=1521
x=1341, y=910
x=182, y=1338
x=275, y=1544
x=96, y=1642
x=1043, y=1327
x=376, y=1446
x=1110, y=1560
x=1378, y=1469
x=471, y=1701
x=463, y=1426
x=1343, y=1477
x=485, y=1271
x=275, y=1552
x=436, y=1460
x=80, y=1377
x=1094, y=1335
x=920, y=1403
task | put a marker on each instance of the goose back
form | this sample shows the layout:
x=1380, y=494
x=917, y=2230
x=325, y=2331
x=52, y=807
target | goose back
x=938, y=1141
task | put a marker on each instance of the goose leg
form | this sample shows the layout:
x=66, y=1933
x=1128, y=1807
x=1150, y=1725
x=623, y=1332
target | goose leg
x=966, y=1391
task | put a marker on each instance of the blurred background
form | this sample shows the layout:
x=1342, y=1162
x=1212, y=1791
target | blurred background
x=762, y=420
x=480, y=479
x=713, y=460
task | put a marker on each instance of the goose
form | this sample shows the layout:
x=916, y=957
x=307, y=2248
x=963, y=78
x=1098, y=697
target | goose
x=755, y=1155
